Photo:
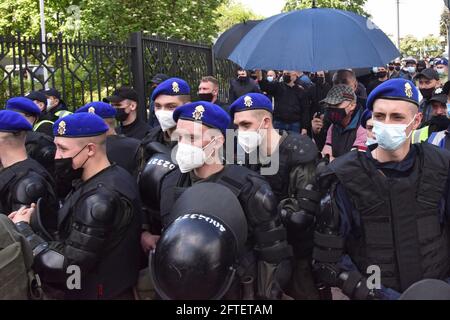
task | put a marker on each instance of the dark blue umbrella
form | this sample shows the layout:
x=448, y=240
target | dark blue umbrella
x=228, y=40
x=313, y=40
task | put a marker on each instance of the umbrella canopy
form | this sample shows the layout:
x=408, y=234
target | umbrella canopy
x=228, y=40
x=313, y=40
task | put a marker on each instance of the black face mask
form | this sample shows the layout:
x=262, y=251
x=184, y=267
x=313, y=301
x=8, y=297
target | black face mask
x=382, y=74
x=440, y=122
x=397, y=68
x=420, y=69
x=286, y=78
x=391, y=68
x=121, y=115
x=335, y=115
x=254, y=77
x=65, y=174
x=242, y=79
x=427, y=93
x=208, y=97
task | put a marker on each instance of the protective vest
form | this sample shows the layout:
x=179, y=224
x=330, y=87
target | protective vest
x=400, y=229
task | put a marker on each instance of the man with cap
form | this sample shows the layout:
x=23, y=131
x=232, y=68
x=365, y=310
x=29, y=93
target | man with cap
x=156, y=80
x=39, y=146
x=123, y=151
x=125, y=100
x=23, y=181
x=293, y=181
x=157, y=146
x=428, y=81
x=385, y=213
x=201, y=129
x=441, y=66
x=41, y=125
x=439, y=118
x=56, y=108
x=409, y=70
x=98, y=224
x=345, y=132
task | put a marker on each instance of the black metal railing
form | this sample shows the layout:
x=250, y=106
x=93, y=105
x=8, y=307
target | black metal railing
x=85, y=71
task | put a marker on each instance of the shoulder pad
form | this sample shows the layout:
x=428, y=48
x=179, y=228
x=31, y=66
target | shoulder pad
x=156, y=147
x=98, y=208
x=151, y=177
x=262, y=203
x=30, y=188
x=302, y=148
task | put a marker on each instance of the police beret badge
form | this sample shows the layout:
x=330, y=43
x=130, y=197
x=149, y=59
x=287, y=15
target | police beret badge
x=91, y=110
x=175, y=87
x=198, y=113
x=62, y=128
x=408, y=90
x=248, y=102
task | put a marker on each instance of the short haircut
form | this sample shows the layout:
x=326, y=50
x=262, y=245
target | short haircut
x=343, y=77
x=260, y=114
x=211, y=79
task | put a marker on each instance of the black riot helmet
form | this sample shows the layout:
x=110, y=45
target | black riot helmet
x=197, y=255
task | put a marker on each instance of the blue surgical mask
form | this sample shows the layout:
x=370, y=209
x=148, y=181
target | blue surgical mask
x=448, y=110
x=270, y=79
x=411, y=69
x=390, y=136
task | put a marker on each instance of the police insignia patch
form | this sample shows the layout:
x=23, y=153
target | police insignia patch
x=438, y=91
x=408, y=90
x=198, y=113
x=248, y=101
x=62, y=128
x=91, y=110
x=175, y=87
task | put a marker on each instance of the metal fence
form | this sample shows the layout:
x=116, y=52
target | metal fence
x=86, y=71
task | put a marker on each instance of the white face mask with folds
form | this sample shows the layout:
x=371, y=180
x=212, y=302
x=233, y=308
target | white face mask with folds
x=165, y=119
x=391, y=136
x=190, y=157
x=250, y=140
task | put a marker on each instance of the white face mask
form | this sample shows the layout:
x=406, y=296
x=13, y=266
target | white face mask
x=411, y=69
x=165, y=119
x=440, y=71
x=250, y=140
x=49, y=103
x=391, y=136
x=190, y=157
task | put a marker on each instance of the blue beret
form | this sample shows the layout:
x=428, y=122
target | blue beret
x=102, y=109
x=171, y=87
x=441, y=61
x=11, y=121
x=77, y=125
x=22, y=104
x=207, y=113
x=394, y=89
x=251, y=101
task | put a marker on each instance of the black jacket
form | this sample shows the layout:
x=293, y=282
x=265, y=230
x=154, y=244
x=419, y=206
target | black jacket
x=238, y=89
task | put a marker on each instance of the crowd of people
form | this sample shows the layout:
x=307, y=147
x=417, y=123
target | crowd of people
x=290, y=189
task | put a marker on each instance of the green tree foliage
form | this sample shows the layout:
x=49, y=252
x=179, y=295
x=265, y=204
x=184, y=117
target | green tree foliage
x=429, y=46
x=231, y=13
x=354, y=5
x=113, y=19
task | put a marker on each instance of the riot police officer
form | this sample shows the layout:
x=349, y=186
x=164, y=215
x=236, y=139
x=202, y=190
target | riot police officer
x=122, y=150
x=167, y=96
x=385, y=209
x=157, y=145
x=23, y=181
x=201, y=128
x=98, y=225
x=40, y=146
x=289, y=160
